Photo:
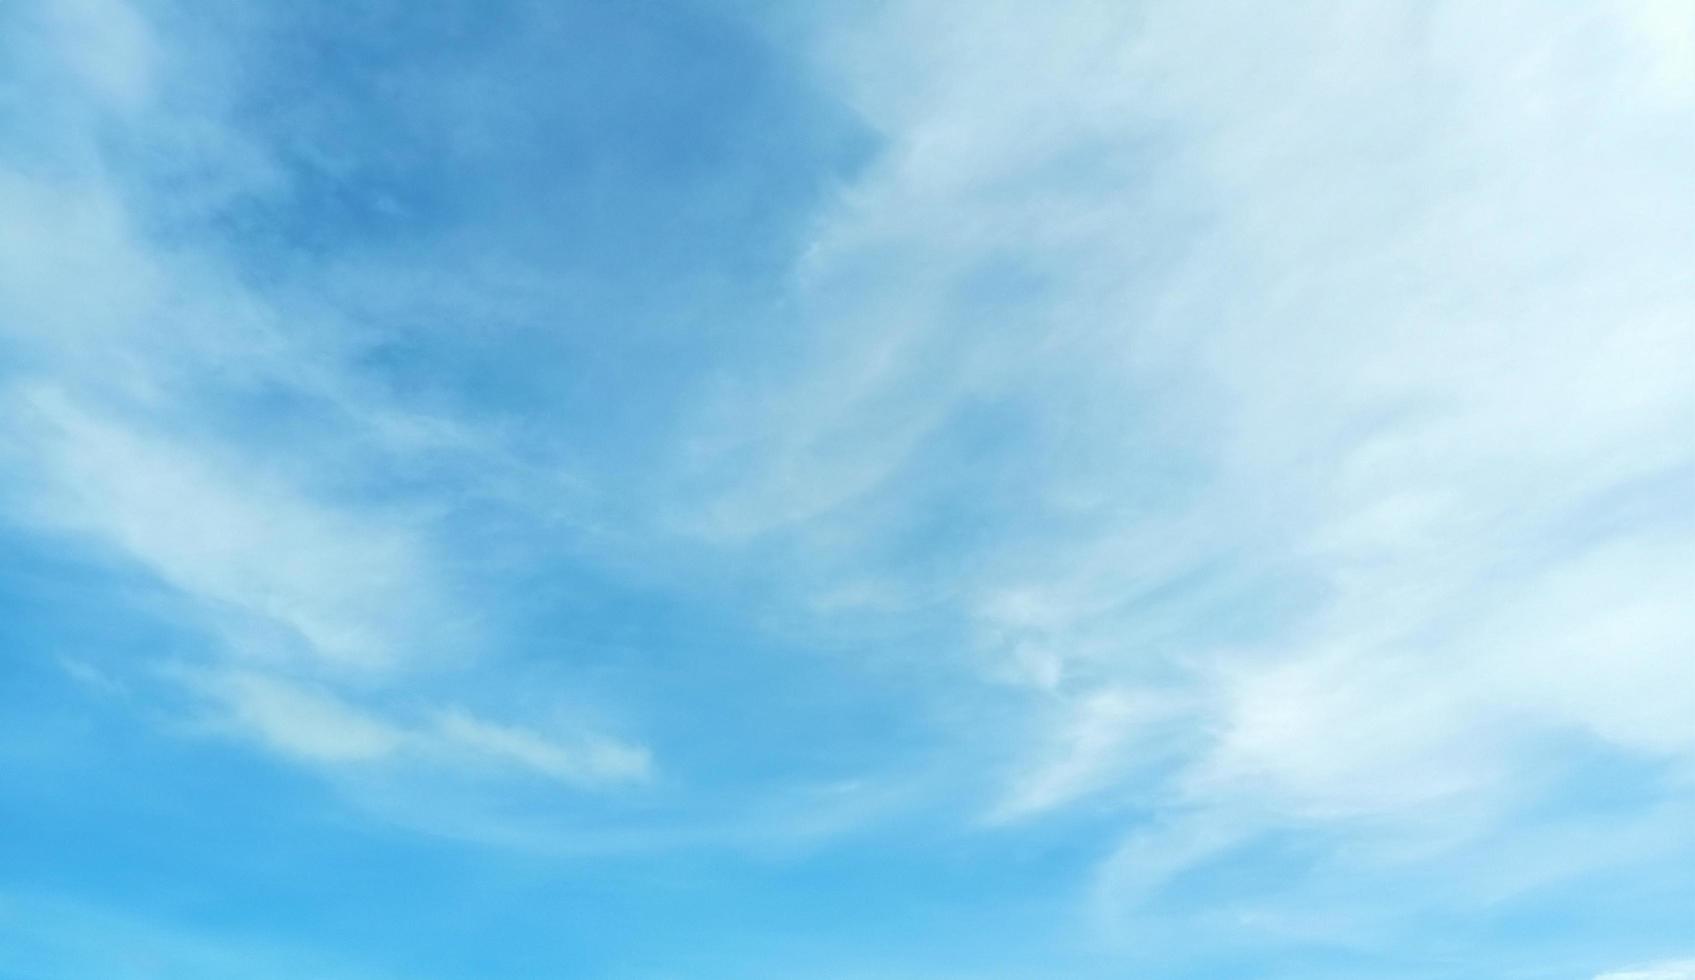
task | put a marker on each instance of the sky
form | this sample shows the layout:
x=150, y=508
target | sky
x=883, y=490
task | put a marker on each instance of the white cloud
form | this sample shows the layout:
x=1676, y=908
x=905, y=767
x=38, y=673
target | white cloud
x=313, y=725
x=215, y=436
x=1368, y=328
x=590, y=761
x=1671, y=970
x=1665, y=31
x=253, y=549
x=302, y=723
x=110, y=46
x=1099, y=741
x=1387, y=306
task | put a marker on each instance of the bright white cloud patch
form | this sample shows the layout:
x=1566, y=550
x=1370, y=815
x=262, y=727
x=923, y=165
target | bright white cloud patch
x=1400, y=294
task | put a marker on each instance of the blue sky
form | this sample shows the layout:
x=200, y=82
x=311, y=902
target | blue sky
x=908, y=490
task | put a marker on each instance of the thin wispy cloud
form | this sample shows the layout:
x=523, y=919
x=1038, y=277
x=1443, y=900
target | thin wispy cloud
x=1659, y=971
x=1194, y=490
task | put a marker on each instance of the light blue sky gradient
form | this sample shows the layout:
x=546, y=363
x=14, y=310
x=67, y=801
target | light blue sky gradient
x=909, y=490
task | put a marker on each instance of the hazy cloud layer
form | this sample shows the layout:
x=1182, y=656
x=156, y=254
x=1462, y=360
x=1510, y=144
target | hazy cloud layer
x=1040, y=490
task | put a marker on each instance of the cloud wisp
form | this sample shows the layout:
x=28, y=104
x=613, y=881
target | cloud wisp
x=1159, y=486
x=1348, y=353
